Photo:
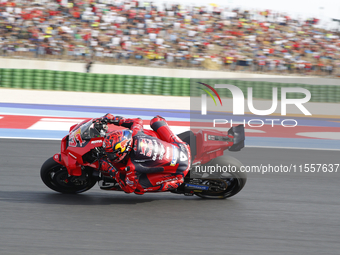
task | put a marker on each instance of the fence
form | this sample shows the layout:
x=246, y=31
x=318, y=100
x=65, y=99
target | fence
x=90, y=82
x=149, y=85
x=263, y=89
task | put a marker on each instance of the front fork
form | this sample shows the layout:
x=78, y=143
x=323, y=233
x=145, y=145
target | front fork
x=84, y=171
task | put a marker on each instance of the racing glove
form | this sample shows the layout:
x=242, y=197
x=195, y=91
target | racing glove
x=106, y=166
x=116, y=120
x=128, y=182
x=135, y=125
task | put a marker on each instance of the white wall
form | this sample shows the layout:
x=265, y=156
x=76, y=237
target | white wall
x=129, y=70
x=146, y=101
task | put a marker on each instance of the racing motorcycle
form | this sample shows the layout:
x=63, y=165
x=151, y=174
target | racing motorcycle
x=76, y=168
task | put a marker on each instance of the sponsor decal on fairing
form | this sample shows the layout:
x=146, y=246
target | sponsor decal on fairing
x=174, y=156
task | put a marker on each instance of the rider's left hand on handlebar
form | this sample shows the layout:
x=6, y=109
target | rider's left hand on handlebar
x=100, y=120
x=113, y=119
x=109, y=116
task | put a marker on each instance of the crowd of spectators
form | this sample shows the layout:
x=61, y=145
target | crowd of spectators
x=137, y=33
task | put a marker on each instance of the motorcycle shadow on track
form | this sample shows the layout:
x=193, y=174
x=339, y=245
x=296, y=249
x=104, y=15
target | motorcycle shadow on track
x=84, y=199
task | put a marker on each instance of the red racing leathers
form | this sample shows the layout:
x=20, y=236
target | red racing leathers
x=153, y=164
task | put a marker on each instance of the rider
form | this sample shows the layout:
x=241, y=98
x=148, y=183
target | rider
x=149, y=163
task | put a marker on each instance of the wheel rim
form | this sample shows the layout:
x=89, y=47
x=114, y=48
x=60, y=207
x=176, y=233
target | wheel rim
x=59, y=177
x=232, y=184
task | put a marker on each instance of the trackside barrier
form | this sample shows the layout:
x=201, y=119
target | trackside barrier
x=263, y=90
x=148, y=85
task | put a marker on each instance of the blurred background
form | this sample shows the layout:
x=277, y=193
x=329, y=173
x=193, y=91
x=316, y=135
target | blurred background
x=290, y=37
x=64, y=61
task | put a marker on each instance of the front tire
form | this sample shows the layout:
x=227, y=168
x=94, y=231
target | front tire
x=236, y=179
x=56, y=177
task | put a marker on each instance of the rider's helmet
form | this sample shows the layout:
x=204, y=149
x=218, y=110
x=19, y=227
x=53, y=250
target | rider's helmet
x=118, y=144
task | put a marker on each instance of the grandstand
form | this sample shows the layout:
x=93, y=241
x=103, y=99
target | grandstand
x=128, y=33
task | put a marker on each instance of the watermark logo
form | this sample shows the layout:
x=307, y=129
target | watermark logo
x=204, y=96
x=238, y=100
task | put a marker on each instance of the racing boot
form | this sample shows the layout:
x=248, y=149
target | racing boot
x=170, y=186
x=140, y=190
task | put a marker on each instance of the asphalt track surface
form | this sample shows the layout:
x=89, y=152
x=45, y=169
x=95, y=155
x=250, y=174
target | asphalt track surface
x=296, y=213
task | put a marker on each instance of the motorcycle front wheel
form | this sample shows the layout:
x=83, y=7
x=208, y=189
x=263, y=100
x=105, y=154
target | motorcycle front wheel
x=56, y=177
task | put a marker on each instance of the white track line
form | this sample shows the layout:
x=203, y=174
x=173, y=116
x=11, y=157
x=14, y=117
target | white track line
x=30, y=138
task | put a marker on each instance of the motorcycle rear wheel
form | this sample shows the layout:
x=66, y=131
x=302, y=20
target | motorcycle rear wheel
x=56, y=177
x=236, y=180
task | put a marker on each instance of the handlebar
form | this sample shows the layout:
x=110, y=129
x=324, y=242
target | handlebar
x=105, y=120
x=101, y=124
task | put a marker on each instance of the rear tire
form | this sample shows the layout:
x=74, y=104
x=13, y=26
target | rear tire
x=56, y=177
x=236, y=179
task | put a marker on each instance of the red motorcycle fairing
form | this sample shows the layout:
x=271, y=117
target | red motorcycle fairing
x=211, y=144
x=57, y=158
x=73, y=148
x=72, y=157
